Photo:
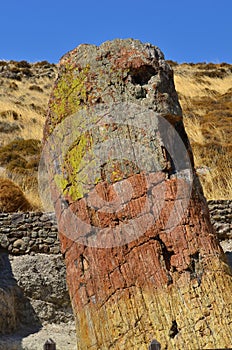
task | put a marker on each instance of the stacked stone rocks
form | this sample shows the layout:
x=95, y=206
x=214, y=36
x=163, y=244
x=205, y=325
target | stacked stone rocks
x=24, y=233
x=37, y=232
x=221, y=217
x=22, y=69
x=33, y=286
x=170, y=284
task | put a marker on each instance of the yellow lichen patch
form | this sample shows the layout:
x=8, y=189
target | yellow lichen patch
x=78, y=151
x=60, y=182
x=75, y=162
x=69, y=93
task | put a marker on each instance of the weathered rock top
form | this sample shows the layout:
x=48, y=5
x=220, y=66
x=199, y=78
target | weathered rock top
x=116, y=71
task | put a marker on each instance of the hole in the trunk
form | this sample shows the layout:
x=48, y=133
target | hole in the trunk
x=142, y=74
x=173, y=330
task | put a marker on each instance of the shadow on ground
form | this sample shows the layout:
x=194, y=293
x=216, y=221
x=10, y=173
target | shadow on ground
x=17, y=316
x=229, y=258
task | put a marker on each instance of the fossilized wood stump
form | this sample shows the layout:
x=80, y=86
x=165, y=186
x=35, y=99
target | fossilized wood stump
x=142, y=259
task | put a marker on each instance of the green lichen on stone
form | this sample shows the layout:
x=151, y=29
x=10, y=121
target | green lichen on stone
x=77, y=158
x=76, y=154
x=116, y=175
x=76, y=190
x=61, y=183
x=69, y=93
x=69, y=97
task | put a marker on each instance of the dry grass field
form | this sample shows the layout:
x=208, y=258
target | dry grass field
x=24, y=94
x=205, y=93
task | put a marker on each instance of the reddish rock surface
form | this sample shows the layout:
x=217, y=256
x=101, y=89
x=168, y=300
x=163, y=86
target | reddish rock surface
x=143, y=261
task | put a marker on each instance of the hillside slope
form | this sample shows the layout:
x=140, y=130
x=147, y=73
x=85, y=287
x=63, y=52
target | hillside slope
x=205, y=94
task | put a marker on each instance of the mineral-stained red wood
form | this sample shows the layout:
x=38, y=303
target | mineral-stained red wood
x=170, y=282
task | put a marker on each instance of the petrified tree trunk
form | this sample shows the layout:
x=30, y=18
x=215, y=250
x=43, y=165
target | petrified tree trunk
x=142, y=259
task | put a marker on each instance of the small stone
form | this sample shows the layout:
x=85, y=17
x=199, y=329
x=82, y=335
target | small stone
x=43, y=234
x=15, y=251
x=44, y=248
x=49, y=240
x=19, y=244
x=54, y=249
x=53, y=234
x=35, y=248
x=26, y=240
x=44, y=217
x=17, y=218
x=7, y=229
x=4, y=242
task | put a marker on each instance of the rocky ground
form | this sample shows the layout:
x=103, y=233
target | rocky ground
x=63, y=334
x=34, y=286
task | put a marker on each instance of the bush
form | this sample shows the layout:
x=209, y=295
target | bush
x=3, y=63
x=8, y=113
x=23, y=64
x=8, y=127
x=44, y=64
x=172, y=63
x=12, y=198
x=8, y=157
x=13, y=86
x=17, y=163
x=20, y=64
x=35, y=88
x=26, y=72
x=23, y=147
x=33, y=163
x=14, y=69
x=216, y=73
x=37, y=109
x=21, y=157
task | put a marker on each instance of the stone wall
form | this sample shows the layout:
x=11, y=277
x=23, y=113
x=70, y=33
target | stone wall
x=221, y=217
x=23, y=233
x=33, y=285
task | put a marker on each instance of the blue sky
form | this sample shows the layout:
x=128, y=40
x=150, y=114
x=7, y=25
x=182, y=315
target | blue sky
x=186, y=31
